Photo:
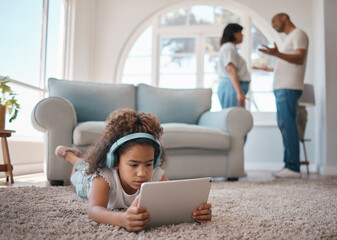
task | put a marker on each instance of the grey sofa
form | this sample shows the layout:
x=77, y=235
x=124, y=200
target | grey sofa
x=198, y=142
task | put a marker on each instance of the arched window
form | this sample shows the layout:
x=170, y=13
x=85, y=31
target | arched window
x=178, y=48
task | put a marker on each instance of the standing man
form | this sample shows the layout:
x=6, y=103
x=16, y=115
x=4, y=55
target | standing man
x=288, y=86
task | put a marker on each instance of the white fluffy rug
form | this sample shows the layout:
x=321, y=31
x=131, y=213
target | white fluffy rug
x=279, y=209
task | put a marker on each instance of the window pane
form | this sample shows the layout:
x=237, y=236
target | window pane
x=177, y=71
x=55, y=40
x=177, y=45
x=27, y=99
x=20, y=45
x=261, y=81
x=173, y=65
x=143, y=45
x=262, y=97
x=176, y=18
x=177, y=81
x=210, y=63
x=212, y=44
x=201, y=15
x=223, y=16
x=263, y=102
x=215, y=103
x=137, y=66
x=212, y=81
x=259, y=39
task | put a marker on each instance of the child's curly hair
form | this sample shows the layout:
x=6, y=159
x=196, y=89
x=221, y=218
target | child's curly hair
x=120, y=123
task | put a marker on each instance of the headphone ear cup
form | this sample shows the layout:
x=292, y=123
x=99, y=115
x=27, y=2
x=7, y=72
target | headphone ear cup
x=157, y=161
x=111, y=157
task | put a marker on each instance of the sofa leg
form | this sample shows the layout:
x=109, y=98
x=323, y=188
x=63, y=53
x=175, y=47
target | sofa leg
x=232, y=179
x=56, y=182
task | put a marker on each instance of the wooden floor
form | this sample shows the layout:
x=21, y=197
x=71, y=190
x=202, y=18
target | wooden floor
x=40, y=179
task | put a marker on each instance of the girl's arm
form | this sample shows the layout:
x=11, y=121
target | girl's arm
x=134, y=219
x=233, y=75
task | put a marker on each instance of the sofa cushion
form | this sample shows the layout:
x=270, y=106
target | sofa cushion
x=94, y=101
x=173, y=105
x=179, y=135
x=87, y=132
x=176, y=135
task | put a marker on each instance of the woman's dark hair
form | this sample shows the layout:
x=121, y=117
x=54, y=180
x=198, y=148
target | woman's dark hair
x=228, y=32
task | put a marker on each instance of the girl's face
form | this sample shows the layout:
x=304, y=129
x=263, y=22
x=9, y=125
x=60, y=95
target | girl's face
x=135, y=167
x=238, y=37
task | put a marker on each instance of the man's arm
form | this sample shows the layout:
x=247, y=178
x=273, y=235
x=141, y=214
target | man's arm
x=264, y=68
x=297, y=57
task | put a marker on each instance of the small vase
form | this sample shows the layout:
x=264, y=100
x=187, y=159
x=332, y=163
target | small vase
x=2, y=116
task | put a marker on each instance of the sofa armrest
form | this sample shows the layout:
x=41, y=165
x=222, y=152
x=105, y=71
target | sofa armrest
x=57, y=118
x=237, y=122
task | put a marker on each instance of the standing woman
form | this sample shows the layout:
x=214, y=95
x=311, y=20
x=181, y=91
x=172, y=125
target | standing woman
x=232, y=69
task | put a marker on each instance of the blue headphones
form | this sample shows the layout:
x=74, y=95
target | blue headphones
x=111, y=157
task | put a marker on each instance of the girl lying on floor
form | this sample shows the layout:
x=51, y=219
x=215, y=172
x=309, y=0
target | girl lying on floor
x=110, y=175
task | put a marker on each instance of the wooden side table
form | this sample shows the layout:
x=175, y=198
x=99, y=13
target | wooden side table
x=7, y=167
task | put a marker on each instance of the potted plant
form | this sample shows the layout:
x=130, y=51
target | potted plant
x=8, y=102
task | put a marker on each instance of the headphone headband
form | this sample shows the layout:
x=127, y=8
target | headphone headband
x=111, y=157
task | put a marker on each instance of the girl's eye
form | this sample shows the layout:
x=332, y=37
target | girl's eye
x=149, y=164
x=133, y=165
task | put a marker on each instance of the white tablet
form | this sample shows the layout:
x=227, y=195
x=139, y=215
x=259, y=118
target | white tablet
x=172, y=202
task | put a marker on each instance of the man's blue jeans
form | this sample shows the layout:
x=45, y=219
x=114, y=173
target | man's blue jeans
x=286, y=104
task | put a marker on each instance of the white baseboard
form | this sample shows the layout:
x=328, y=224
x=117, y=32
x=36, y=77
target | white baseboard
x=23, y=169
x=267, y=166
x=328, y=170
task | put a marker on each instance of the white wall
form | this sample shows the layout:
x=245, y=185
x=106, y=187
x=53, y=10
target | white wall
x=329, y=165
x=26, y=157
x=83, y=42
x=103, y=27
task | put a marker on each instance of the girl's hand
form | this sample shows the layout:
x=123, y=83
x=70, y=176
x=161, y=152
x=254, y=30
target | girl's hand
x=135, y=218
x=203, y=214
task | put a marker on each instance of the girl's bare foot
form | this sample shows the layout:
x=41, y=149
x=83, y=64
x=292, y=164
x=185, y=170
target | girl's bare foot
x=70, y=154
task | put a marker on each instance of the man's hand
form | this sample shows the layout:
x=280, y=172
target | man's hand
x=297, y=57
x=203, y=214
x=264, y=68
x=270, y=51
x=136, y=218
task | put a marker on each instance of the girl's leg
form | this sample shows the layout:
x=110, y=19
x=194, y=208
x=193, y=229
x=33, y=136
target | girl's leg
x=71, y=155
x=78, y=177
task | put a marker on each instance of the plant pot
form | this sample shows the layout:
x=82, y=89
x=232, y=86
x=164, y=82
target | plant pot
x=2, y=116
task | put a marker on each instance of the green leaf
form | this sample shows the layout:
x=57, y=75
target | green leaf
x=6, y=88
x=8, y=98
x=14, y=115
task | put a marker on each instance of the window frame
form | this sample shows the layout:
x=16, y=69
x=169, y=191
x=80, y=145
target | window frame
x=248, y=17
